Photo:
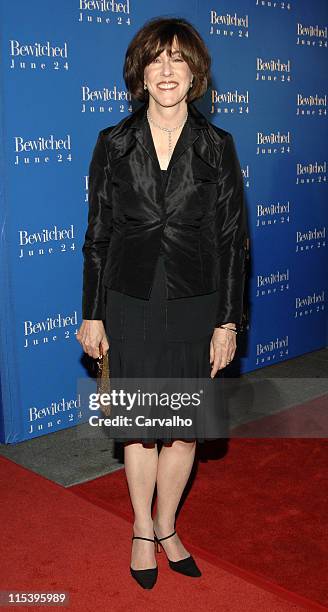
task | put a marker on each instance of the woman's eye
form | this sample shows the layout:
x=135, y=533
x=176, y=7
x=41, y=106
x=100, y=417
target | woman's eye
x=174, y=59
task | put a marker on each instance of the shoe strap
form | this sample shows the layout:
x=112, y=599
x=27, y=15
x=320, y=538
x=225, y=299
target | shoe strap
x=169, y=536
x=140, y=538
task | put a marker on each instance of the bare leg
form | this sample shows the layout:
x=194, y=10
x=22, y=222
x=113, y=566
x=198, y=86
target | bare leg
x=174, y=467
x=140, y=468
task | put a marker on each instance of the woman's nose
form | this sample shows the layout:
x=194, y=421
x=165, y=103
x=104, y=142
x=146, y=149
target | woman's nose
x=166, y=68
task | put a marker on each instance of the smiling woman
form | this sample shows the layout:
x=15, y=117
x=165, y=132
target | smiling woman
x=171, y=70
x=158, y=73
x=181, y=41
x=164, y=265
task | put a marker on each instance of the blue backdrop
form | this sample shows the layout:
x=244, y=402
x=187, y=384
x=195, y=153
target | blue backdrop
x=61, y=82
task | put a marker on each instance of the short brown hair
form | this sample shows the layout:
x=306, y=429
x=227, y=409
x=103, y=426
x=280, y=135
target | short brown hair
x=156, y=35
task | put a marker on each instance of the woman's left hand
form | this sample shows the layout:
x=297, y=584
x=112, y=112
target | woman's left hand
x=222, y=348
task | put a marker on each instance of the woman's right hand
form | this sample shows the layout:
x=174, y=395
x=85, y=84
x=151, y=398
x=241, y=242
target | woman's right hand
x=91, y=335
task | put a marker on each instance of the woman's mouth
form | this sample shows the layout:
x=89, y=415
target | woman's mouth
x=165, y=86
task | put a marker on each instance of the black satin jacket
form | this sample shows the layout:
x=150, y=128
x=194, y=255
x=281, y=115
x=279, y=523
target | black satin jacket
x=197, y=216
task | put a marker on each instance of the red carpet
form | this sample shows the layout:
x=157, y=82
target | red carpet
x=55, y=541
x=261, y=506
x=307, y=420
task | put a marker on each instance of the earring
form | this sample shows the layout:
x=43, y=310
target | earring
x=145, y=86
x=190, y=83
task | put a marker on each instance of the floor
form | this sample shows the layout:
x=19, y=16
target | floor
x=75, y=455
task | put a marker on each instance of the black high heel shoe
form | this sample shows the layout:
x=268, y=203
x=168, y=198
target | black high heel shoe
x=145, y=577
x=185, y=566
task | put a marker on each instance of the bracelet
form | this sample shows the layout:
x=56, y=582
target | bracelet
x=231, y=328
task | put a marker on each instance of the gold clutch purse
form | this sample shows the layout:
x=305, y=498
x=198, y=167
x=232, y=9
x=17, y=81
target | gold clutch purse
x=103, y=382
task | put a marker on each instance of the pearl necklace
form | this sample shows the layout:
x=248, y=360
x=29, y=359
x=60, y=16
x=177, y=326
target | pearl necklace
x=169, y=130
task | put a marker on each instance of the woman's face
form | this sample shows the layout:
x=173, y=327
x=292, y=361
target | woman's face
x=168, y=78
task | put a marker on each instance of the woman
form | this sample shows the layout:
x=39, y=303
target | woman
x=164, y=261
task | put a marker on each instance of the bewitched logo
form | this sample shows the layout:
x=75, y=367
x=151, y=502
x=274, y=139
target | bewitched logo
x=309, y=304
x=311, y=172
x=273, y=70
x=54, y=414
x=230, y=99
x=233, y=23
x=314, y=100
x=35, y=332
x=272, y=213
x=271, y=279
x=93, y=100
x=102, y=7
x=277, y=347
x=273, y=142
x=311, y=30
x=24, y=148
x=311, y=35
x=311, y=104
x=33, y=55
x=46, y=241
x=37, y=49
x=229, y=19
x=309, y=239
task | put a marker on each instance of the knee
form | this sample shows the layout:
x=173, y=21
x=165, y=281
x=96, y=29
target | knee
x=184, y=446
